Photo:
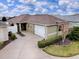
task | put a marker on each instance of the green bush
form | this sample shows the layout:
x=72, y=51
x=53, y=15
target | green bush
x=74, y=34
x=43, y=43
x=12, y=36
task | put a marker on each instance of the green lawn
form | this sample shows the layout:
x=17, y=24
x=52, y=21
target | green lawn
x=63, y=51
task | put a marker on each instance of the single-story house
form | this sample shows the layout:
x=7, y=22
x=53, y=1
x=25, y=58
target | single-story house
x=72, y=19
x=41, y=25
x=3, y=31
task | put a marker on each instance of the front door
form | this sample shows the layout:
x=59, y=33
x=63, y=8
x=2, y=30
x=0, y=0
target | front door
x=23, y=26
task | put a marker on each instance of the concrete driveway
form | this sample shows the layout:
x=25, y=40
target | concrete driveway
x=26, y=48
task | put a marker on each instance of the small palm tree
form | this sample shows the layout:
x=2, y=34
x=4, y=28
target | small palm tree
x=64, y=29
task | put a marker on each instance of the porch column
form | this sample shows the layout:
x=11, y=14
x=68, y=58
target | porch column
x=46, y=35
x=18, y=27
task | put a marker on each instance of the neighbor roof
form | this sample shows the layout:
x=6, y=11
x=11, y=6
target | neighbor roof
x=37, y=19
x=70, y=18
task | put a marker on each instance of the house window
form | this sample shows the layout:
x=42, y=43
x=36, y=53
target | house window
x=12, y=25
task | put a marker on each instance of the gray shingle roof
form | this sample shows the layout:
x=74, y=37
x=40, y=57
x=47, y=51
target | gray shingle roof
x=37, y=19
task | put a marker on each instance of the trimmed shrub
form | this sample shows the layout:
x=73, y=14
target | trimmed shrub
x=43, y=43
x=74, y=34
x=12, y=36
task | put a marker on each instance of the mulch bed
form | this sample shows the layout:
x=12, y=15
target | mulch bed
x=66, y=42
x=5, y=43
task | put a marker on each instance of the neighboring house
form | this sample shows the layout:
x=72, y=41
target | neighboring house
x=3, y=31
x=72, y=19
x=9, y=27
x=41, y=25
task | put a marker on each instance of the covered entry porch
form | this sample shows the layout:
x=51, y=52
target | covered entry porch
x=21, y=27
x=25, y=27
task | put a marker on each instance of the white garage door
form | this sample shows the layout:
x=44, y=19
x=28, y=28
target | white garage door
x=40, y=30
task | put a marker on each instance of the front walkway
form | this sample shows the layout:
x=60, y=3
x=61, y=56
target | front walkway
x=26, y=48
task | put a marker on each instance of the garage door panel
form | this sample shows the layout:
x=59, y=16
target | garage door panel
x=40, y=30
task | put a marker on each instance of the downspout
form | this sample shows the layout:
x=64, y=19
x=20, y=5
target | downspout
x=46, y=35
x=57, y=29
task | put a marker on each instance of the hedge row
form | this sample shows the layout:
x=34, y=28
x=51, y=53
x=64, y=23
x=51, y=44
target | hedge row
x=43, y=43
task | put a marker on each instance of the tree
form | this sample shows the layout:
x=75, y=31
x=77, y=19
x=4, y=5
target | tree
x=4, y=19
x=64, y=29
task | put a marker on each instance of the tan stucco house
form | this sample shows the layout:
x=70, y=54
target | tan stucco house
x=3, y=31
x=41, y=25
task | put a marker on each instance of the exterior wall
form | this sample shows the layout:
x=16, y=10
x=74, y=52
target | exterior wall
x=13, y=29
x=30, y=28
x=3, y=34
x=51, y=30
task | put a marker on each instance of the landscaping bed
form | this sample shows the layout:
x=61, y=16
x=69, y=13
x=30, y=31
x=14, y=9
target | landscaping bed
x=66, y=42
x=11, y=36
x=3, y=44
